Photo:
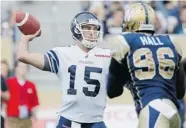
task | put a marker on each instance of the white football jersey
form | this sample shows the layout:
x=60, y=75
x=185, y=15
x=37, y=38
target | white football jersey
x=83, y=78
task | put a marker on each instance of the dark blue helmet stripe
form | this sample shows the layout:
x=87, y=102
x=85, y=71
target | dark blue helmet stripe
x=146, y=14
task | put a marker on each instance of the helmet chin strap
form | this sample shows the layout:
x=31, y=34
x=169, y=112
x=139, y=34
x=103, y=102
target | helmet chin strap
x=88, y=44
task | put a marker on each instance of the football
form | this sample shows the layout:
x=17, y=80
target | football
x=27, y=24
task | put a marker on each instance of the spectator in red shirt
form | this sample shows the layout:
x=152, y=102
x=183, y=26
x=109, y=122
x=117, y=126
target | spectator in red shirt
x=23, y=101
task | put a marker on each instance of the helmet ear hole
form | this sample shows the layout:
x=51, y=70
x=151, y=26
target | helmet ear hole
x=99, y=28
x=76, y=30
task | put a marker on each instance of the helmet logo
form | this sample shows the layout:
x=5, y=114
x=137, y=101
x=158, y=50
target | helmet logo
x=128, y=14
x=93, y=21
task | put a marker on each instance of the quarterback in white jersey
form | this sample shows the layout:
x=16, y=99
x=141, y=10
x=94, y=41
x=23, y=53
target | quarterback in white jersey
x=82, y=70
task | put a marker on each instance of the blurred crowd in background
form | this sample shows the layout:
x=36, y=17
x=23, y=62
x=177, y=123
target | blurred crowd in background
x=170, y=16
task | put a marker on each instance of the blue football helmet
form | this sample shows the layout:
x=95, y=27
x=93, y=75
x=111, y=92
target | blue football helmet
x=78, y=33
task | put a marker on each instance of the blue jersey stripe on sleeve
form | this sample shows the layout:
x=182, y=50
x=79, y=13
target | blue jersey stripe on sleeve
x=55, y=57
x=49, y=61
x=53, y=62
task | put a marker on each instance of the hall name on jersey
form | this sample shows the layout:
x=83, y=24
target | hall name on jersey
x=146, y=40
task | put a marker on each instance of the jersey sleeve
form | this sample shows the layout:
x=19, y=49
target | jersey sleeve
x=120, y=48
x=52, y=60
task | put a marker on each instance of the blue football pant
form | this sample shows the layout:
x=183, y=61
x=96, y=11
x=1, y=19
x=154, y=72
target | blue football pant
x=65, y=123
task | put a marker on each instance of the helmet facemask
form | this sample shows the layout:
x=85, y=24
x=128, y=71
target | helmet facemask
x=90, y=33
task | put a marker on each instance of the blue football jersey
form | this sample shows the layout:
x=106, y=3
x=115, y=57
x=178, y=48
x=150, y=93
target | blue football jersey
x=152, y=62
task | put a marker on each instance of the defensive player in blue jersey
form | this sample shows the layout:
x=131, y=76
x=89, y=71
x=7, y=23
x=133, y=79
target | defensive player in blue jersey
x=149, y=66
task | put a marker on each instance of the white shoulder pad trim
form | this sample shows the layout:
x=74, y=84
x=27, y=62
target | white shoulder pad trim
x=123, y=41
x=121, y=48
x=125, y=33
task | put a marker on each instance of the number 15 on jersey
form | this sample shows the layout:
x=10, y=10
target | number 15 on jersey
x=85, y=90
